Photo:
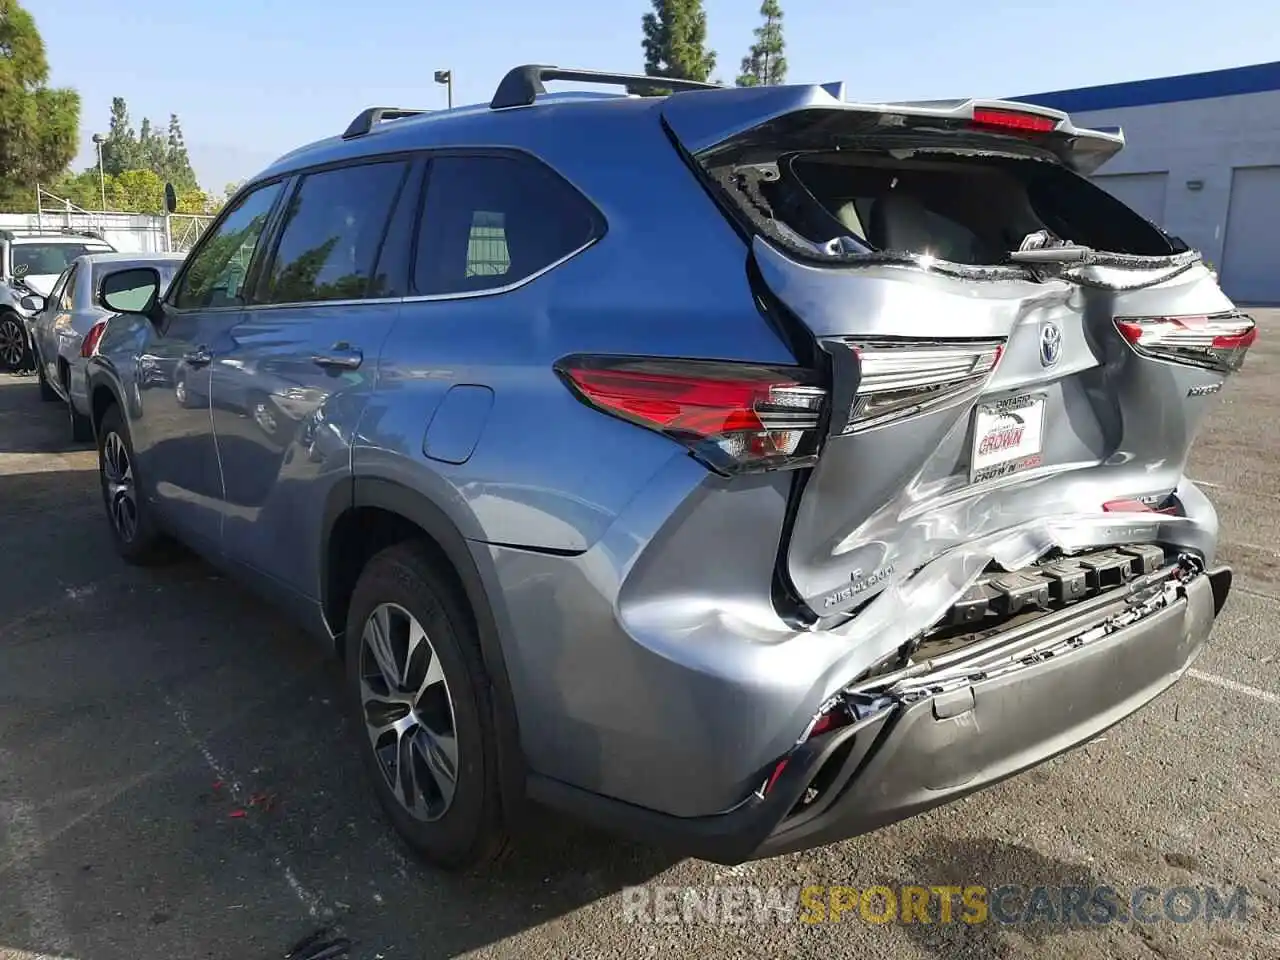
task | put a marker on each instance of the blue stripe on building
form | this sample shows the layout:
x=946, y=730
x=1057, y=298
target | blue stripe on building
x=1258, y=78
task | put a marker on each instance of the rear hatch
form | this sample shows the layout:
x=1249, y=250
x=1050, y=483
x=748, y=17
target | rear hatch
x=1002, y=339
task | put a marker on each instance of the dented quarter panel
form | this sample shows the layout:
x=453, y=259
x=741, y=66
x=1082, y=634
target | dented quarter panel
x=1114, y=426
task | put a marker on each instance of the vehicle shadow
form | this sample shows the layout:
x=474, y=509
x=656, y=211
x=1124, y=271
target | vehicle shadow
x=178, y=776
x=29, y=424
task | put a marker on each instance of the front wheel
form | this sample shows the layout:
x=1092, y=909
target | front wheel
x=137, y=538
x=422, y=710
x=15, y=351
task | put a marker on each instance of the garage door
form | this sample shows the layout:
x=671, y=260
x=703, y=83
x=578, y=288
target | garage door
x=1250, y=261
x=1143, y=192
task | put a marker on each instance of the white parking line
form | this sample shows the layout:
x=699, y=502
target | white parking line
x=315, y=906
x=1266, y=696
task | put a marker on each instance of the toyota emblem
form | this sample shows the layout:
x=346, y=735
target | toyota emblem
x=1050, y=343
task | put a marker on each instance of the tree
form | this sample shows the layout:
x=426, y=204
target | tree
x=675, y=37
x=120, y=146
x=177, y=163
x=765, y=64
x=38, y=124
x=164, y=153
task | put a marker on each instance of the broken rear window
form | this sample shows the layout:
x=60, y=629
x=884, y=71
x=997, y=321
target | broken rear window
x=966, y=209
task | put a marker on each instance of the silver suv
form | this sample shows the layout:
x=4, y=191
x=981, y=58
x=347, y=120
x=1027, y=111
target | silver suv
x=737, y=469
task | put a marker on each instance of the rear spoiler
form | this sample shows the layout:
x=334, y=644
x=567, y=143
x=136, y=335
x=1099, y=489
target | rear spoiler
x=702, y=120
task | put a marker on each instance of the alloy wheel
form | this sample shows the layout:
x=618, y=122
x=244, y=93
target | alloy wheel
x=121, y=494
x=13, y=343
x=408, y=712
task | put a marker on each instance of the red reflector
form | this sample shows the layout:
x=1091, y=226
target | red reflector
x=777, y=772
x=1126, y=506
x=825, y=723
x=90, y=341
x=1013, y=120
x=1129, y=330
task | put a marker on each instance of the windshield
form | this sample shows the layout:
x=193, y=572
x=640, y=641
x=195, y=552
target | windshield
x=46, y=259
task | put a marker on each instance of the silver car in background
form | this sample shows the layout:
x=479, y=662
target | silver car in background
x=69, y=323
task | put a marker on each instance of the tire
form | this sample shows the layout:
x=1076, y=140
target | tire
x=141, y=542
x=466, y=829
x=46, y=389
x=15, y=350
x=81, y=426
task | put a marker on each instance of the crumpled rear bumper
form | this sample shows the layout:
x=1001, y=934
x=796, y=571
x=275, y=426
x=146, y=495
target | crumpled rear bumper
x=933, y=739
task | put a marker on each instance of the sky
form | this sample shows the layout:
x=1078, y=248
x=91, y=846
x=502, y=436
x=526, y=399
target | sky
x=252, y=79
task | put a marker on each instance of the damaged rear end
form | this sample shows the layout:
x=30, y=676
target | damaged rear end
x=1011, y=367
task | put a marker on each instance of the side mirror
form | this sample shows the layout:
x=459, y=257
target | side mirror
x=32, y=303
x=136, y=290
x=170, y=198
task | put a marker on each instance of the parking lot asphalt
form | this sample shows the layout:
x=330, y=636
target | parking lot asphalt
x=176, y=778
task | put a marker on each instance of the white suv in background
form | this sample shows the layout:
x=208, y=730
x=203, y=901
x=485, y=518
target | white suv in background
x=30, y=263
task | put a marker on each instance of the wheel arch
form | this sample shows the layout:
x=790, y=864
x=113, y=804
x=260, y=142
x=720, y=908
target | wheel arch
x=374, y=513
x=102, y=396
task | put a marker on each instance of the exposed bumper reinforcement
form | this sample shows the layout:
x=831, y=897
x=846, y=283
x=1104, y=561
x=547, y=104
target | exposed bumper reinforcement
x=935, y=743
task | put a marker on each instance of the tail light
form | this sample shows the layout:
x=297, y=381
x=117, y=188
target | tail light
x=90, y=342
x=1217, y=342
x=735, y=417
x=900, y=379
x=1012, y=121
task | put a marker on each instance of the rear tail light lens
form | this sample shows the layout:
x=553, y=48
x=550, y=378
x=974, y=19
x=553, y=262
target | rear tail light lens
x=735, y=417
x=90, y=342
x=900, y=379
x=1217, y=343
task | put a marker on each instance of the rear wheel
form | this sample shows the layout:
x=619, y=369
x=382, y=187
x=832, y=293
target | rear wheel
x=81, y=426
x=422, y=710
x=137, y=537
x=15, y=352
x=46, y=388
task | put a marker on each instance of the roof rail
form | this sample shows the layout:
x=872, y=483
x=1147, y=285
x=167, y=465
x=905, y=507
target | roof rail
x=13, y=233
x=522, y=85
x=366, y=120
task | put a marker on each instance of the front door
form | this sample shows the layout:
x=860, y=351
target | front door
x=290, y=382
x=172, y=434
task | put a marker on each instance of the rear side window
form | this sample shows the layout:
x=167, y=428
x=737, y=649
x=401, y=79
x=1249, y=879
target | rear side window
x=69, y=292
x=489, y=222
x=55, y=295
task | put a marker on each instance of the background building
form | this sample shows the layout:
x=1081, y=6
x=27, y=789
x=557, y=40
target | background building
x=1202, y=159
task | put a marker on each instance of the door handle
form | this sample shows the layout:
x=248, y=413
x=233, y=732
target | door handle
x=341, y=356
x=197, y=357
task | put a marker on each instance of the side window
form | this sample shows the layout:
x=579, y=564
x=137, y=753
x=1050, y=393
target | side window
x=216, y=268
x=493, y=221
x=332, y=236
x=69, y=291
x=55, y=295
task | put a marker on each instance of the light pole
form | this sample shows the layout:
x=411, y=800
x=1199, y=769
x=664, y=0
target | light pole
x=98, y=140
x=446, y=77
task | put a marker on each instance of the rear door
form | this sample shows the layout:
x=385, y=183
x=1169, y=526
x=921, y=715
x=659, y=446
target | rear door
x=293, y=375
x=971, y=390
x=44, y=325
